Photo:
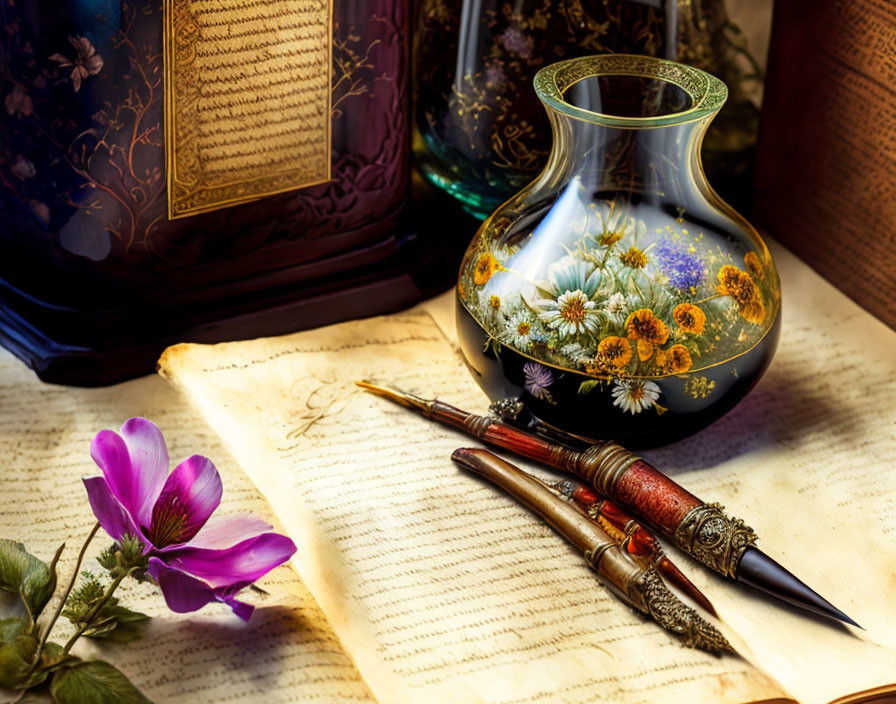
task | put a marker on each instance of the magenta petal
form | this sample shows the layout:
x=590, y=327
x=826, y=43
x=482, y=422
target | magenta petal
x=222, y=532
x=184, y=593
x=190, y=495
x=108, y=511
x=240, y=608
x=244, y=562
x=134, y=464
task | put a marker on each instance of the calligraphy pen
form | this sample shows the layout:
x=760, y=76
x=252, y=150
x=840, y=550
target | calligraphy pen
x=703, y=531
x=629, y=534
x=634, y=581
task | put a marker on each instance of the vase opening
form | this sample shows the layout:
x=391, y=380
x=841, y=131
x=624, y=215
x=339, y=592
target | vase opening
x=620, y=90
x=628, y=96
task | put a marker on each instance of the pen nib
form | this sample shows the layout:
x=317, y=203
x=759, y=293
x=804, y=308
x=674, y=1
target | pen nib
x=760, y=571
x=399, y=397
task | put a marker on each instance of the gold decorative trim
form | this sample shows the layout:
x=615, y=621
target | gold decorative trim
x=707, y=92
x=713, y=538
x=603, y=464
x=674, y=615
x=241, y=130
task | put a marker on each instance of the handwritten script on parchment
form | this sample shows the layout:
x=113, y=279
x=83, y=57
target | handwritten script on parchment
x=247, y=100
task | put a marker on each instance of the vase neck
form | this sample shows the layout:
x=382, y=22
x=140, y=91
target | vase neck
x=630, y=124
x=655, y=163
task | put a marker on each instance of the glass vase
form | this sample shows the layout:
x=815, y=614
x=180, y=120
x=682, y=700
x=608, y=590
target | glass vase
x=617, y=296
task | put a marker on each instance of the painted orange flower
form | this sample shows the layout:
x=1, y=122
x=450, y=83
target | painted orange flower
x=754, y=312
x=634, y=258
x=485, y=268
x=678, y=359
x=690, y=318
x=737, y=284
x=613, y=353
x=642, y=324
x=754, y=266
x=645, y=350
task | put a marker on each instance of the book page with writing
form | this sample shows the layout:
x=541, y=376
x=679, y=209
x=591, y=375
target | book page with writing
x=441, y=588
x=285, y=653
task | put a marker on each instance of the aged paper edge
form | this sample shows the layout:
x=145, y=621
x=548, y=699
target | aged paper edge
x=168, y=33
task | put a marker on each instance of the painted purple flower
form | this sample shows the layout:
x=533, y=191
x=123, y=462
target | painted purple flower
x=684, y=269
x=195, y=557
x=517, y=43
x=538, y=379
x=87, y=63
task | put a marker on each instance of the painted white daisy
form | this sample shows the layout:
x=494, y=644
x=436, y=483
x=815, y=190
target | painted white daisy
x=635, y=396
x=577, y=353
x=570, y=314
x=521, y=330
x=615, y=304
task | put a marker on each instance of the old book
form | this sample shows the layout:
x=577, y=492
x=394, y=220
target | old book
x=441, y=589
x=826, y=160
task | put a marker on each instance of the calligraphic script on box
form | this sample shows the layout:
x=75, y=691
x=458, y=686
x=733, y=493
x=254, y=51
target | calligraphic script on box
x=247, y=100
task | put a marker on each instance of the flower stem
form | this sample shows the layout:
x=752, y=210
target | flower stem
x=704, y=300
x=68, y=590
x=96, y=609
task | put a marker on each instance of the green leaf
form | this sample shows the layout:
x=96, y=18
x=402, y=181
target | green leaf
x=25, y=575
x=586, y=387
x=94, y=682
x=52, y=657
x=17, y=648
x=117, y=624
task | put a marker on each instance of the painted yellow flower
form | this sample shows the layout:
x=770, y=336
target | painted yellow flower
x=754, y=266
x=661, y=357
x=690, y=318
x=495, y=302
x=634, y=258
x=678, y=359
x=485, y=268
x=642, y=324
x=609, y=238
x=645, y=350
x=613, y=353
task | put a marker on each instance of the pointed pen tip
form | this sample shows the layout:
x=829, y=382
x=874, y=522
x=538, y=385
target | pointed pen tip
x=394, y=395
x=671, y=572
x=760, y=571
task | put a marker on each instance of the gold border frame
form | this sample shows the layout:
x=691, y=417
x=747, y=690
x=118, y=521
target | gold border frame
x=169, y=110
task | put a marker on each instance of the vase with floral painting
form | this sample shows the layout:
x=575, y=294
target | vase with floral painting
x=617, y=296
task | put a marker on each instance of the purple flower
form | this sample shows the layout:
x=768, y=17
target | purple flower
x=195, y=557
x=538, y=379
x=517, y=43
x=685, y=270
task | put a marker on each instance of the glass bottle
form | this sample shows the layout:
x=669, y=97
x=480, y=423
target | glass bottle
x=617, y=296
